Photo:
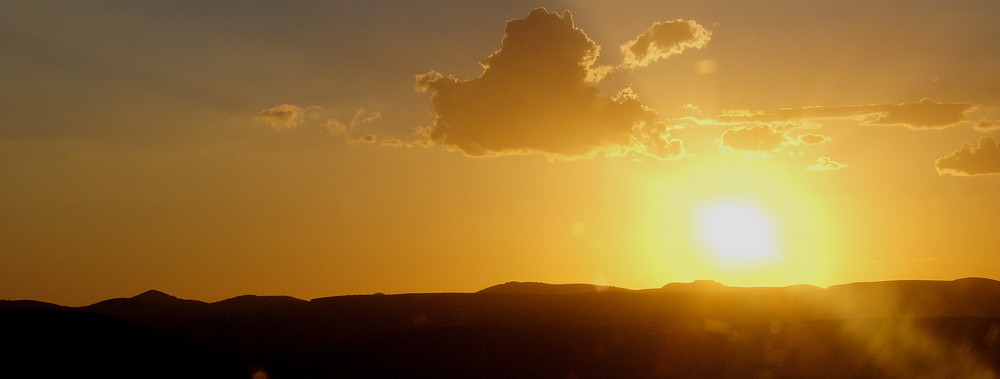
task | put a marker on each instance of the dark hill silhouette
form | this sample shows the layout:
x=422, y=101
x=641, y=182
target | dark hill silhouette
x=254, y=301
x=150, y=308
x=151, y=299
x=969, y=297
x=699, y=329
x=160, y=298
x=28, y=304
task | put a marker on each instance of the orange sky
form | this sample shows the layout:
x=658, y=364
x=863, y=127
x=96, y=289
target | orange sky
x=211, y=150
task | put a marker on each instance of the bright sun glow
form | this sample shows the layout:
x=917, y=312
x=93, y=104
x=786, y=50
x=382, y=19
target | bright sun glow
x=738, y=233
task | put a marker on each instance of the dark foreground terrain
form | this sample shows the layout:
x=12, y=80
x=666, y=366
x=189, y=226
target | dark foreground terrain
x=932, y=329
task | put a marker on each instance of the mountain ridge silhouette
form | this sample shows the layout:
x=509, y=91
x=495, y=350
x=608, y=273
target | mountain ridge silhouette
x=518, y=329
x=157, y=297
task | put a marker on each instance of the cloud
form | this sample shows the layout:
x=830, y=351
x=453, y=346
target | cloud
x=361, y=116
x=987, y=125
x=812, y=138
x=533, y=96
x=347, y=131
x=392, y=142
x=825, y=164
x=971, y=160
x=336, y=127
x=282, y=116
x=287, y=116
x=662, y=40
x=927, y=114
x=757, y=138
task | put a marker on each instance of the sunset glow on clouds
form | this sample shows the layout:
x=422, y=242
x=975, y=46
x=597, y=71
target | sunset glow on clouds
x=662, y=40
x=327, y=147
x=533, y=96
x=282, y=116
x=825, y=164
x=927, y=114
x=982, y=158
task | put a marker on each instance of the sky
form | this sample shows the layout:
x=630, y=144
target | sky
x=320, y=148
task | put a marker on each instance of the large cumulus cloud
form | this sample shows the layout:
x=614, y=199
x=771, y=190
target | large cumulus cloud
x=970, y=160
x=534, y=96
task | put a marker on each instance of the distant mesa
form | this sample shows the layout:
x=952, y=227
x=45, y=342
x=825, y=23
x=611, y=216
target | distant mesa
x=250, y=301
x=157, y=297
x=964, y=283
x=697, y=285
x=537, y=288
x=154, y=296
x=160, y=298
x=143, y=302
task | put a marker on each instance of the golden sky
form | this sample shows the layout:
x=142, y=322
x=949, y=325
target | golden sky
x=214, y=149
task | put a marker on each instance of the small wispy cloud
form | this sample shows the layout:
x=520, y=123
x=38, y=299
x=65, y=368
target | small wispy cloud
x=926, y=114
x=283, y=116
x=662, y=40
x=987, y=125
x=825, y=164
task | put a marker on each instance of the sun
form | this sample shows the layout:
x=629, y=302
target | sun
x=738, y=233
